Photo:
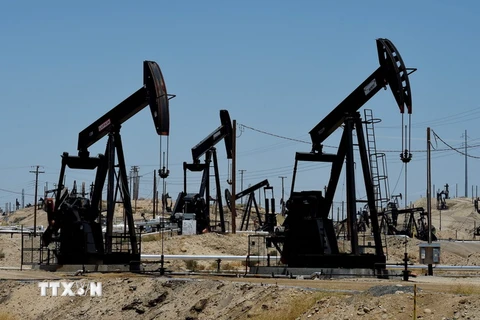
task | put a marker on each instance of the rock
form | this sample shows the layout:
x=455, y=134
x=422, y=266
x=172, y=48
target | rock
x=384, y=316
x=360, y=313
x=132, y=305
x=366, y=309
x=133, y=288
x=158, y=299
x=139, y=310
x=200, y=305
x=427, y=311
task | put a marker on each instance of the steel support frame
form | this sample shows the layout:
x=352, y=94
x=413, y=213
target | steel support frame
x=204, y=190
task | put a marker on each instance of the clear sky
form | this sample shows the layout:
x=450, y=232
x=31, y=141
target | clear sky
x=277, y=66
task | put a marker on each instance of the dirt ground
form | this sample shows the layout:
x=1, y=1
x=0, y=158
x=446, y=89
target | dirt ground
x=442, y=296
x=126, y=296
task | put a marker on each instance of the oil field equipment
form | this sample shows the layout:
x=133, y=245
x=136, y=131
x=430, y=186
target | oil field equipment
x=476, y=204
x=442, y=197
x=308, y=238
x=75, y=220
x=194, y=208
x=412, y=222
x=266, y=224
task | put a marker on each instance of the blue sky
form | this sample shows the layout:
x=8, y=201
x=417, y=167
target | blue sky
x=277, y=66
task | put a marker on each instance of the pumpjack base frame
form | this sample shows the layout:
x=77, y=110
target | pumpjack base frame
x=122, y=258
x=89, y=267
x=320, y=272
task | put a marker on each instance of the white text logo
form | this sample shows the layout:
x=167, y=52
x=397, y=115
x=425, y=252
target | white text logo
x=70, y=289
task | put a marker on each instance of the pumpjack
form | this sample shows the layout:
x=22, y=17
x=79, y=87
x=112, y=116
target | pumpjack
x=197, y=205
x=74, y=220
x=442, y=197
x=308, y=238
x=270, y=221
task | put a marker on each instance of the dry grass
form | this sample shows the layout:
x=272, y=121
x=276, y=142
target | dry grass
x=152, y=237
x=6, y=316
x=466, y=289
x=294, y=309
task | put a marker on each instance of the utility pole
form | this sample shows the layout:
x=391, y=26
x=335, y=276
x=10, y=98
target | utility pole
x=234, y=179
x=241, y=182
x=136, y=180
x=36, y=171
x=429, y=197
x=155, y=204
x=282, y=202
x=466, y=172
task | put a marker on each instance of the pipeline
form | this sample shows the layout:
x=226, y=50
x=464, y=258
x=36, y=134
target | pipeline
x=144, y=257
x=202, y=257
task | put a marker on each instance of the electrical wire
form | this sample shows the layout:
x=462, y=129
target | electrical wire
x=16, y=192
x=452, y=148
x=274, y=135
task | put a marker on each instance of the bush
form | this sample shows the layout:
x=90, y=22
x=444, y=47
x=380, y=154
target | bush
x=214, y=265
x=227, y=266
x=191, y=264
x=2, y=254
x=251, y=263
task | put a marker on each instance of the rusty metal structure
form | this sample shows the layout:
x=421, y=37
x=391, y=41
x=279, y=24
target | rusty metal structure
x=308, y=238
x=75, y=221
x=198, y=204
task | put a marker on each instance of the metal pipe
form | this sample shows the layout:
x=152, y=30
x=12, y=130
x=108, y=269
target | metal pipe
x=258, y=258
x=200, y=257
x=439, y=267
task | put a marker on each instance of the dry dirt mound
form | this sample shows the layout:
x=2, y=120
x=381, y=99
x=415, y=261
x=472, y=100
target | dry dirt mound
x=183, y=298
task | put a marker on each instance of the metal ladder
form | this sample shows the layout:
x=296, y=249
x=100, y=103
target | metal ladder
x=378, y=163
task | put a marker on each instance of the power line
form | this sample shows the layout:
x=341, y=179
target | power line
x=380, y=150
x=452, y=148
x=15, y=192
x=274, y=135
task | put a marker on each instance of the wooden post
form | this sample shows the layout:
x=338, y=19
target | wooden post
x=414, y=302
